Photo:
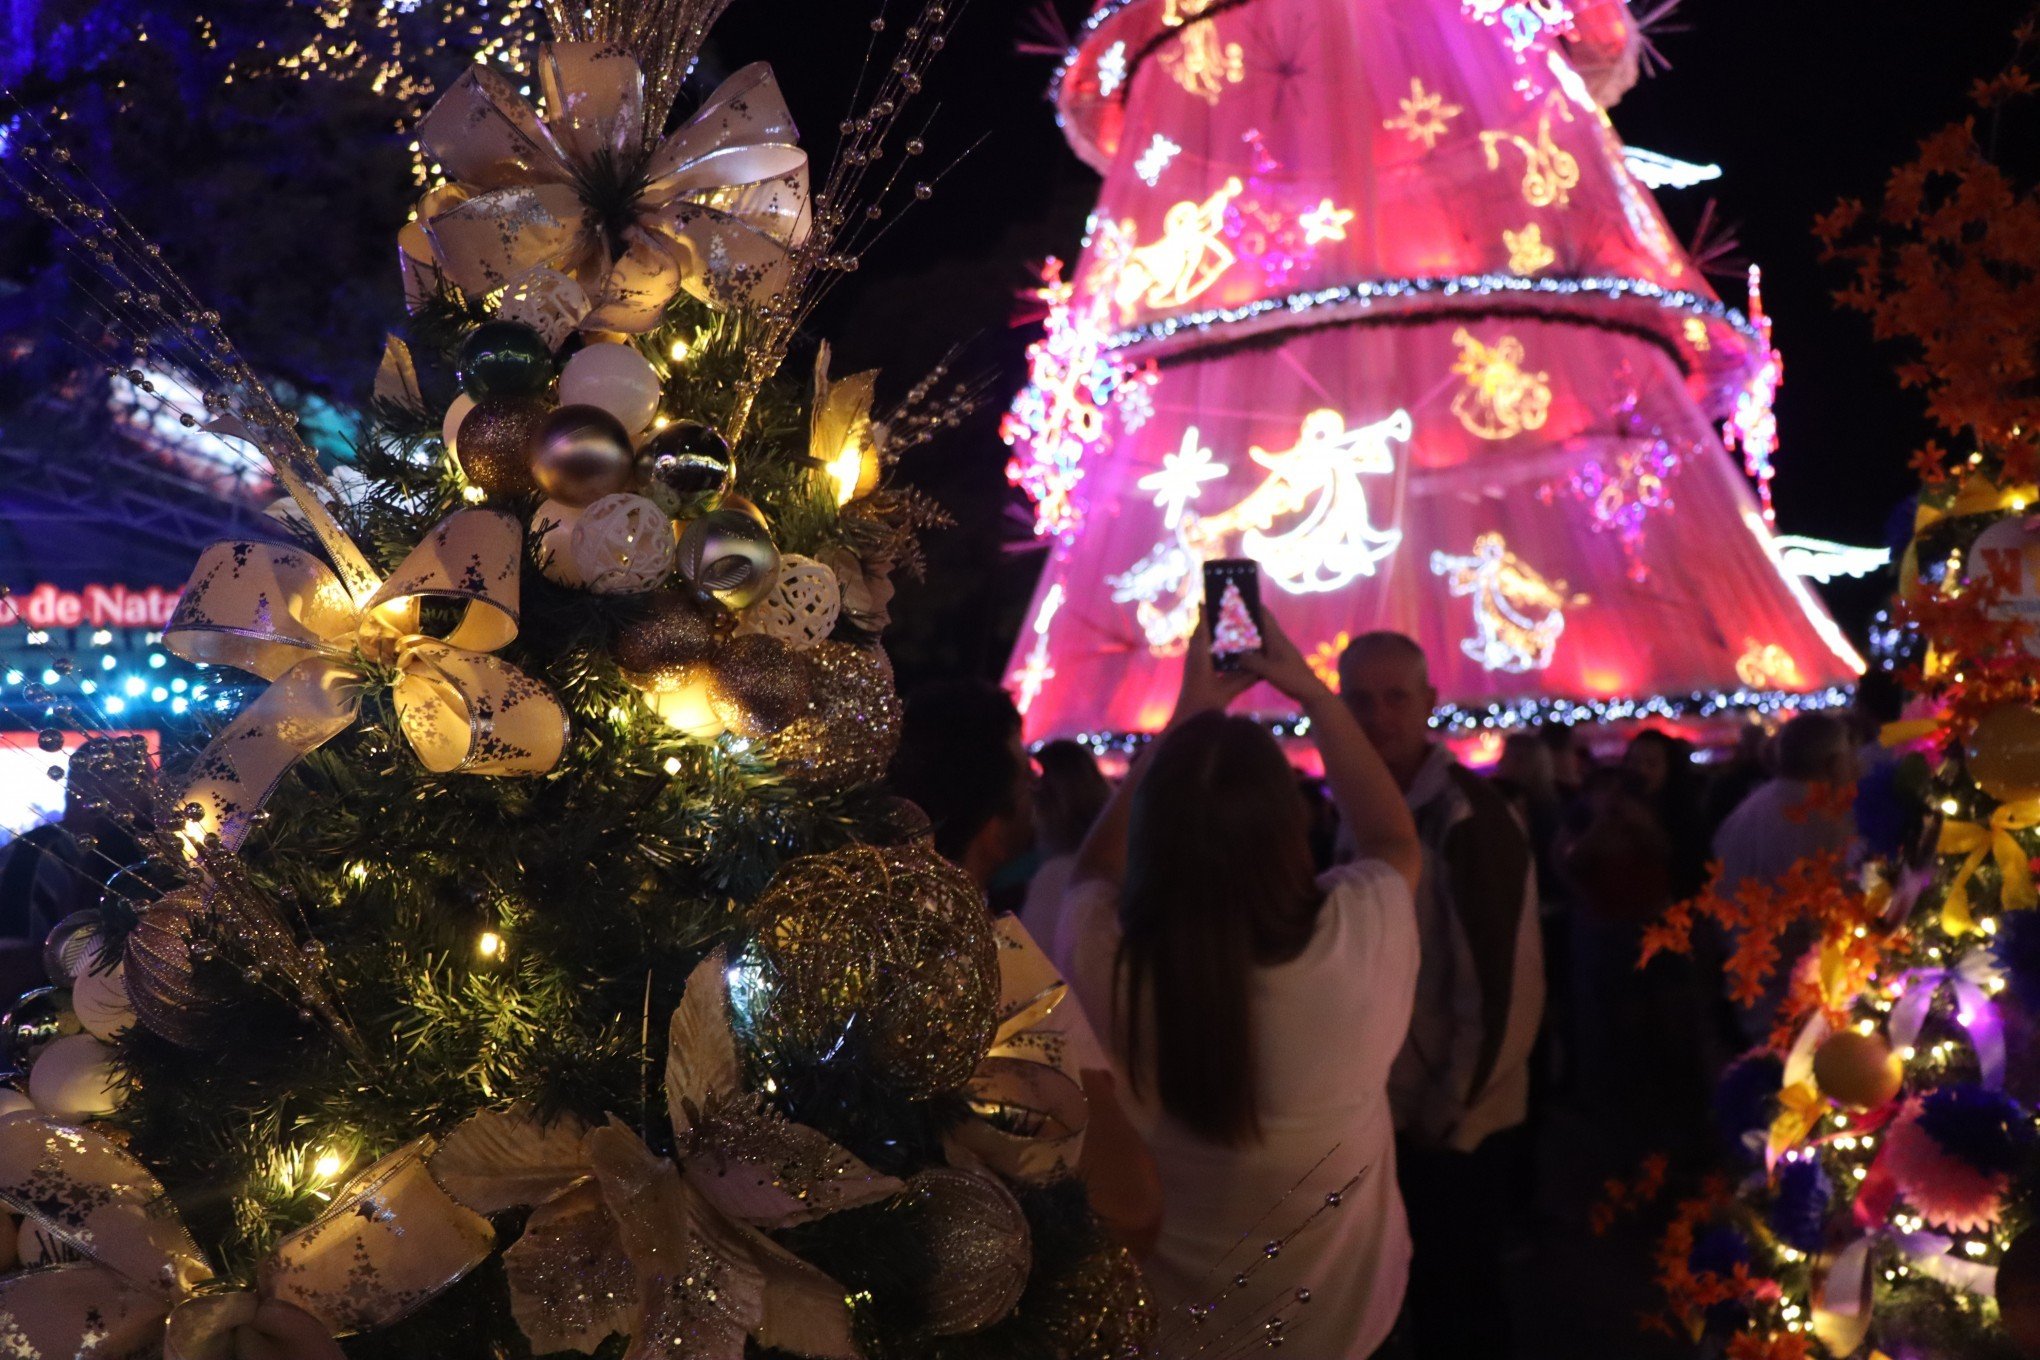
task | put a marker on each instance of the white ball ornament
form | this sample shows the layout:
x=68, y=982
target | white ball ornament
x=802, y=607
x=74, y=1080
x=455, y=414
x=622, y=545
x=552, y=533
x=616, y=378
x=101, y=1001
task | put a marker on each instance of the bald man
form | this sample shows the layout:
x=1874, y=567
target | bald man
x=1462, y=1078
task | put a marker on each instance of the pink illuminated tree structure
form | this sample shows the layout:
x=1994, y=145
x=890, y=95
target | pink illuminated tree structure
x=1373, y=297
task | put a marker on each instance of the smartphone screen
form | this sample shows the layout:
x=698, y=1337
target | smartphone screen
x=1232, y=603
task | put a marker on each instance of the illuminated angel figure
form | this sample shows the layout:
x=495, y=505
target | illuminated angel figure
x=1186, y=259
x=1318, y=479
x=1517, y=614
x=1501, y=398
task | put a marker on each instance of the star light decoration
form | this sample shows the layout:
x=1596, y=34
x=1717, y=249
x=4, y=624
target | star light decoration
x=1060, y=415
x=1035, y=673
x=1425, y=115
x=1155, y=159
x=1324, y=223
x=1181, y=477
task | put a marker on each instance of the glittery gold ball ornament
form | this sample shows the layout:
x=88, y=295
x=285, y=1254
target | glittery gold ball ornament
x=1859, y=1070
x=1101, y=1310
x=852, y=726
x=973, y=1228
x=580, y=455
x=760, y=685
x=493, y=442
x=889, y=945
x=669, y=630
x=729, y=554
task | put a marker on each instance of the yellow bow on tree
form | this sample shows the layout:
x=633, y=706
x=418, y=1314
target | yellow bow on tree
x=1998, y=841
x=279, y=612
x=588, y=192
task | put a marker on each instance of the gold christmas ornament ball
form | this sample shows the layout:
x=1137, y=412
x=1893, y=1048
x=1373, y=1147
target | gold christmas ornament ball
x=1101, y=1310
x=983, y=1250
x=670, y=630
x=580, y=454
x=760, y=685
x=1859, y=1070
x=2018, y=1292
x=2004, y=752
x=889, y=946
x=494, y=440
x=852, y=726
x=729, y=554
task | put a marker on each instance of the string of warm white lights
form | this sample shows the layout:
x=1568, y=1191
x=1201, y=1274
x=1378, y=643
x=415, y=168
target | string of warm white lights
x=1519, y=714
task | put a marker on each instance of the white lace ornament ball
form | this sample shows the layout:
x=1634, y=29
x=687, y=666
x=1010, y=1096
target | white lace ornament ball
x=615, y=378
x=802, y=607
x=74, y=1079
x=552, y=533
x=622, y=545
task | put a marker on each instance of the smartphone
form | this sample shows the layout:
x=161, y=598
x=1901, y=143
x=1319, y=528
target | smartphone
x=1232, y=604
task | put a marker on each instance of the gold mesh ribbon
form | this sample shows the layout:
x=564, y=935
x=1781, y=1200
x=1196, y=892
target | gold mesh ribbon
x=391, y=1241
x=278, y=612
x=716, y=208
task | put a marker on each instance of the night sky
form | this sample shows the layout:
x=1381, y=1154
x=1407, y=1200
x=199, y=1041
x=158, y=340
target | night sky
x=1800, y=104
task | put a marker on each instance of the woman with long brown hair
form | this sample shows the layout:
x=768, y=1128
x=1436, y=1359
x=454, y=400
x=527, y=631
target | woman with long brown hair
x=1256, y=1006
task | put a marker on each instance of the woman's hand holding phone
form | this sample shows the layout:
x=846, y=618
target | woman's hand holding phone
x=1205, y=688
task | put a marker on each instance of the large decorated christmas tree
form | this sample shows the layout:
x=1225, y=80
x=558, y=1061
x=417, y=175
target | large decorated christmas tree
x=1372, y=296
x=528, y=963
x=1887, y=1149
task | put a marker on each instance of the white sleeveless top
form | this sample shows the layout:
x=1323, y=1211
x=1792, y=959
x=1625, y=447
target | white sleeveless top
x=1328, y=1024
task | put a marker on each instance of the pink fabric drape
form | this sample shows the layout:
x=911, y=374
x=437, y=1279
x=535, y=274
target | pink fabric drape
x=1523, y=478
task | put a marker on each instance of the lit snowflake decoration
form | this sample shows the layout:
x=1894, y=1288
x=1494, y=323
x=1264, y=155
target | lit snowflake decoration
x=1155, y=159
x=1181, y=477
x=1112, y=69
x=1425, y=116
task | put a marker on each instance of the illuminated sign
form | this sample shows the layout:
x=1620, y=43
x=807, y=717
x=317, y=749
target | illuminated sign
x=47, y=606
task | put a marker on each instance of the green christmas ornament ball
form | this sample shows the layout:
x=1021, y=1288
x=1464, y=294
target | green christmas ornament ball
x=504, y=359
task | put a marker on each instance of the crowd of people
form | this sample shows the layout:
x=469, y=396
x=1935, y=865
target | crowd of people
x=1364, y=993
x=1319, y=1021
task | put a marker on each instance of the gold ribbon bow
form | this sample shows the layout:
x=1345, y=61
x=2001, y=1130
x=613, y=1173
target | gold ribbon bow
x=1031, y=1110
x=714, y=209
x=1998, y=841
x=278, y=612
x=391, y=1242
x=672, y=1256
